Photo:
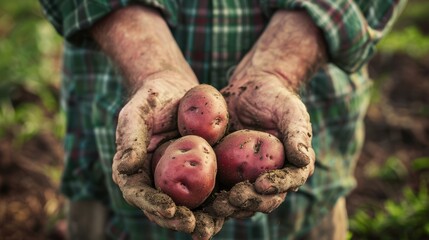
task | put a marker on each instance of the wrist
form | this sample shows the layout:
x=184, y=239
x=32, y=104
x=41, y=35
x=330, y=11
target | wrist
x=291, y=49
x=140, y=44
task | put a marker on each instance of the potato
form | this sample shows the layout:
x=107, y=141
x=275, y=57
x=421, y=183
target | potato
x=203, y=112
x=187, y=171
x=245, y=154
x=157, y=154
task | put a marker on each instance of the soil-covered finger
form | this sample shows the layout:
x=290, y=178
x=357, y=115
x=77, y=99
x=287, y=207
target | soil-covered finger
x=297, y=132
x=137, y=192
x=204, y=226
x=242, y=214
x=220, y=207
x=244, y=197
x=182, y=221
x=218, y=224
x=282, y=180
x=297, y=146
x=130, y=160
x=132, y=138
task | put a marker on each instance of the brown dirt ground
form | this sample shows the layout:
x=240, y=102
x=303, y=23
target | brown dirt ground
x=30, y=203
x=397, y=125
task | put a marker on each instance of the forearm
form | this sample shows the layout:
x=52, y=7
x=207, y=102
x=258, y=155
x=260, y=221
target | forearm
x=291, y=47
x=140, y=43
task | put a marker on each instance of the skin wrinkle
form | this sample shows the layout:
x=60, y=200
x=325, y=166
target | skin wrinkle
x=166, y=123
x=261, y=108
x=287, y=54
x=205, y=226
x=135, y=157
x=123, y=29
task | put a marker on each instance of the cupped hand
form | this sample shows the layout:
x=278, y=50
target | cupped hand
x=148, y=119
x=262, y=95
x=264, y=102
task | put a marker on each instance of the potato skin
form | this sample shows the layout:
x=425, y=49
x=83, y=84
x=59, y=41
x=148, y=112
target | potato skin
x=158, y=153
x=203, y=112
x=245, y=154
x=187, y=171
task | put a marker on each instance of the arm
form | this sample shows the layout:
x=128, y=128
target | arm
x=282, y=60
x=141, y=45
x=262, y=94
x=139, y=42
x=351, y=28
x=286, y=55
x=291, y=47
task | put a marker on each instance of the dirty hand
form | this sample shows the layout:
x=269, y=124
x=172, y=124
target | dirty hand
x=139, y=42
x=146, y=120
x=262, y=95
x=264, y=103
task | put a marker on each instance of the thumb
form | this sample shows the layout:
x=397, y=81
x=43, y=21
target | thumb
x=206, y=226
x=295, y=128
x=132, y=137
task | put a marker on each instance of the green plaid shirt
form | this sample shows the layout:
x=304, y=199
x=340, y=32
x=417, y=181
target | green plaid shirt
x=214, y=36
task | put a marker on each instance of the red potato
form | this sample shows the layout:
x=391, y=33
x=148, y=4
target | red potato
x=245, y=154
x=187, y=171
x=203, y=112
x=157, y=154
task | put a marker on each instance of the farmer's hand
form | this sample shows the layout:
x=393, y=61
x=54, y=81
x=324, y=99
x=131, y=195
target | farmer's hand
x=262, y=95
x=148, y=118
x=140, y=43
x=264, y=103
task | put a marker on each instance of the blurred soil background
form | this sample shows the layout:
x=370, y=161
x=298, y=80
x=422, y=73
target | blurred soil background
x=390, y=202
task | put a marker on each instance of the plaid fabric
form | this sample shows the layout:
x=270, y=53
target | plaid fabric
x=214, y=36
